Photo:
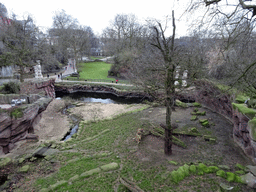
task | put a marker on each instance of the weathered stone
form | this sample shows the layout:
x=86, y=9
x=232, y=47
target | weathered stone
x=58, y=184
x=74, y=178
x=5, y=134
x=249, y=179
x=252, y=169
x=108, y=167
x=24, y=169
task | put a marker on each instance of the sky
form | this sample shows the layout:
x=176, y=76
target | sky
x=98, y=13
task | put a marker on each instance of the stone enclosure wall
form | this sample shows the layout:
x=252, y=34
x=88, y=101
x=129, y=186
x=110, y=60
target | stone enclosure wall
x=243, y=118
x=17, y=123
x=13, y=129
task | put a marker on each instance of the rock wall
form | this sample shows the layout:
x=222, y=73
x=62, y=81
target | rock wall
x=45, y=86
x=98, y=89
x=212, y=97
x=15, y=129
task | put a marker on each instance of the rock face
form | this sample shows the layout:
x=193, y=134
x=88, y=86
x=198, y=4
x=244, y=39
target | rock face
x=98, y=89
x=15, y=129
x=39, y=86
x=212, y=97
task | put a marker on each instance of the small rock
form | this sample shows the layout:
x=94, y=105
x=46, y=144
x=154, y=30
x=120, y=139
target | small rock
x=24, y=169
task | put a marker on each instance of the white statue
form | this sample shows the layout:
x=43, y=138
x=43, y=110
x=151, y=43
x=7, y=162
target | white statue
x=37, y=68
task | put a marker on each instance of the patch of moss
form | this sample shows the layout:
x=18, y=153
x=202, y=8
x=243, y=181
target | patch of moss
x=231, y=177
x=181, y=104
x=196, y=104
x=202, y=168
x=241, y=98
x=192, y=168
x=221, y=173
x=196, y=109
x=244, y=110
x=252, y=125
x=176, y=177
x=204, y=122
x=212, y=169
x=193, y=118
x=173, y=162
x=202, y=113
x=178, y=142
x=186, y=169
x=240, y=172
x=239, y=166
x=193, y=130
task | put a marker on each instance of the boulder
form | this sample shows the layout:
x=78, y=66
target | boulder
x=252, y=169
x=249, y=179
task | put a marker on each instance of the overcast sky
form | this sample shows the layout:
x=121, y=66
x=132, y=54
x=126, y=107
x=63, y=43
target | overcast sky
x=98, y=13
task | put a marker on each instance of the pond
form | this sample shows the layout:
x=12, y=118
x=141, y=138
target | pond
x=106, y=98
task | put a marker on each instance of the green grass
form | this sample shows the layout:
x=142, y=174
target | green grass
x=95, y=70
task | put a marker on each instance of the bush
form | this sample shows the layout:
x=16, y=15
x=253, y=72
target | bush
x=11, y=87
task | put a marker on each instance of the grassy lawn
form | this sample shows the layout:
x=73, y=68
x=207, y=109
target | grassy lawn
x=95, y=70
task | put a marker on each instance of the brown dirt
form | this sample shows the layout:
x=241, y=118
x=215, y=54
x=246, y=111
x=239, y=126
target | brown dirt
x=223, y=152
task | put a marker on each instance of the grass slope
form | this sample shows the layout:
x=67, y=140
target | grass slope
x=80, y=155
x=95, y=70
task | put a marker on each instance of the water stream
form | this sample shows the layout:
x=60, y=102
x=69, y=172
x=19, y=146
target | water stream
x=90, y=98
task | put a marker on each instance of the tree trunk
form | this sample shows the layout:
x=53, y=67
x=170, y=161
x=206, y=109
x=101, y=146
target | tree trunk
x=168, y=130
x=22, y=72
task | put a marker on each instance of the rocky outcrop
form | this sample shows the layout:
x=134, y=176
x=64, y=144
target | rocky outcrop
x=99, y=89
x=43, y=86
x=243, y=118
x=13, y=128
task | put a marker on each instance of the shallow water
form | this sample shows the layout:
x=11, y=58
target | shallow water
x=105, y=98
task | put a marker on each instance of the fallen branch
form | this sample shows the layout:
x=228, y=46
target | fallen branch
x=130, y=185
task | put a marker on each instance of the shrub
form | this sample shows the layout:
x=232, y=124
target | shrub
x=11, y=87
x=16, y=113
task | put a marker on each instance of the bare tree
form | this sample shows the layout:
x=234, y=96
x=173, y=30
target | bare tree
x=231, y=60
x=155, y=68
x=123, y=39
x=73, y=40
x=19, y=41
